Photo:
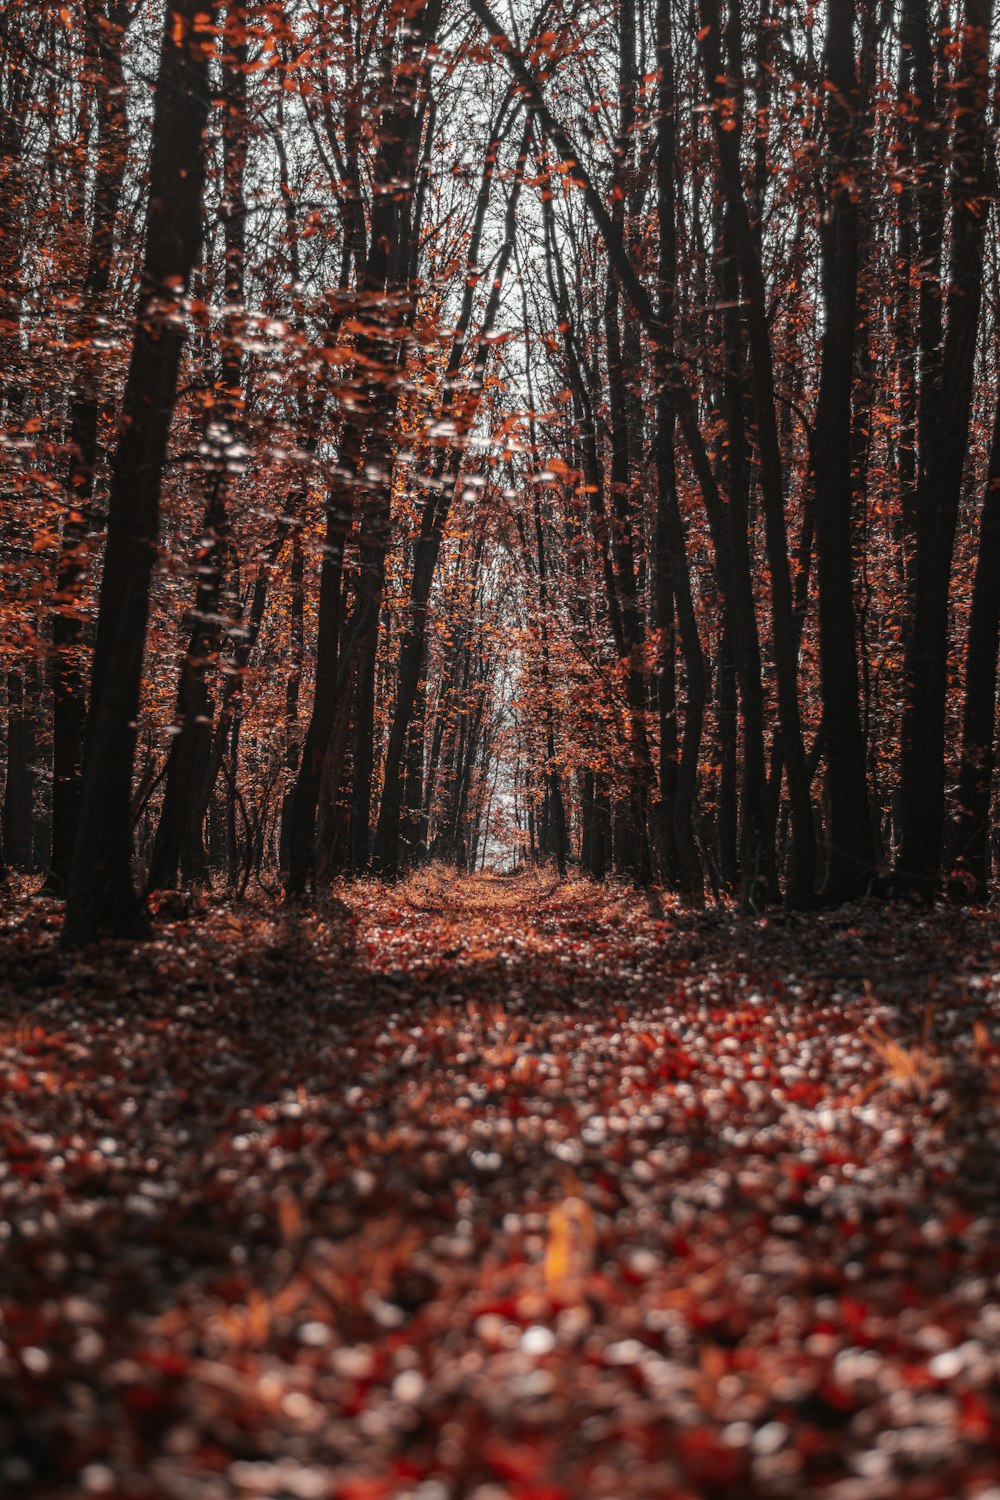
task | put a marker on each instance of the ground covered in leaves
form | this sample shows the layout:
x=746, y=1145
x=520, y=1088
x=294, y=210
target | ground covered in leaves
x=502, y=1190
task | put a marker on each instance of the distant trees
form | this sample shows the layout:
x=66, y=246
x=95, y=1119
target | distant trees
x=433, y=430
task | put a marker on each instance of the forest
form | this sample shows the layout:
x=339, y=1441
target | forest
x=499, y=438
x=499, y=620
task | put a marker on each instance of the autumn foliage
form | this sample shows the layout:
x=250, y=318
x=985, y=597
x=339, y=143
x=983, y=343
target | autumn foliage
x=499, y=618
x=501, y=1188
x=430, y=431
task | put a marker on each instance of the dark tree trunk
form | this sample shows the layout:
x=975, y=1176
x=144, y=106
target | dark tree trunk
x=802, y=860
x=69, y=705
x=363, y=753
x=333, y=815
x=851, y=851
x=411, y=849
x=232, y=796
x=757, y=852
x=328, y=694
x=726, y=708
x=102, y=896
x=386, y=269
x=179, y=842
x=634, y=845
x=678, y=778
x=293, y=686
x=19, y=796
x=945, y=410
x=20, y=81
x=971, y=858
x=179, y=839
x=558, y=844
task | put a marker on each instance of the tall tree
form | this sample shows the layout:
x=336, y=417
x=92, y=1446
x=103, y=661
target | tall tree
x=105, y=37
x=102, y=895
x=678, y=777
x=947, y=367
x=178, y=835
x=388, y=302
x=851, y=851
x=975, y=787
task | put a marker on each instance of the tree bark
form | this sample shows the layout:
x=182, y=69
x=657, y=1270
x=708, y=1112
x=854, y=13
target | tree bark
x=851, y=853
x=389, y=302
x=179, y=845
x=970, y=872
x=105, y=38
x=19, y=794
x=802, y=861
x=102, y=896
x=945, y=411
x=672, y=583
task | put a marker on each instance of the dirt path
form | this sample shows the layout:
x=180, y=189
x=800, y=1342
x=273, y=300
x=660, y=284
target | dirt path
x=502, y=1188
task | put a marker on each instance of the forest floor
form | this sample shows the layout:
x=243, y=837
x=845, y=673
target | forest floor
x=501, y=1190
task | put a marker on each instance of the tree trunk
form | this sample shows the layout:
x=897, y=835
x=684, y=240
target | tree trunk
x=727, y=717
x=851, y=852
x=971, y=858
x=802, y=861
x=296, y=609
x=19, y=796
x=102, y=895
x=945, y=410
x=756, y=847
x=179, y=841
x=390, y=301
x=678, y=780
x=363, y=754
x=328, y=692
x=411, y=849
x=104, y=43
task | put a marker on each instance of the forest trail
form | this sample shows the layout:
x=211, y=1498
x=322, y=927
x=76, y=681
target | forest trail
x=501, y=1188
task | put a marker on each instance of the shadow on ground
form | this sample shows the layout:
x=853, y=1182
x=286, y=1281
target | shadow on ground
x=503, y=1188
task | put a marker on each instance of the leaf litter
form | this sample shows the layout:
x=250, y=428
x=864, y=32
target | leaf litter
x=486, y=1188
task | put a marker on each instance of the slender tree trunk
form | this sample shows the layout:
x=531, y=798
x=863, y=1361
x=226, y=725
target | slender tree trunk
x=802, y=861
x=102, y=896
x=363, y=753
x=431, y=781
x=296, y=610
x=757, y=852
x=558, y=844
x=19, y=795
x=179, y=841
x=726, y=709
x=411, y=850
x=971, y=859
x=238, y=660
x=851, y=853
x=945, y=403
x=634, y=845
x=386, y=270
x=328, y=692
x=678, y=781
x=105, y=38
